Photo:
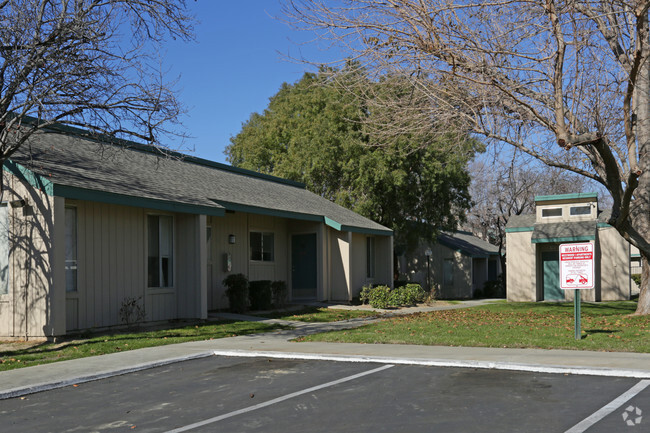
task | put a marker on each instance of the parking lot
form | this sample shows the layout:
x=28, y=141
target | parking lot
x=232, y=394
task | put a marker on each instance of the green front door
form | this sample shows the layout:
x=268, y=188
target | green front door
x=303, y=266
x=551, y=269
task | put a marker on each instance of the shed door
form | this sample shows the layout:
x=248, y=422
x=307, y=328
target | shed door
x=551, y=269
x=303, y=266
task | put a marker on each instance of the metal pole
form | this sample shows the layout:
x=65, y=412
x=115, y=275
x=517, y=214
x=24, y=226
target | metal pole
x=576, y=313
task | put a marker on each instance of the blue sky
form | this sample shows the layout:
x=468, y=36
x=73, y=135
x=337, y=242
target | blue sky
x=236, y=64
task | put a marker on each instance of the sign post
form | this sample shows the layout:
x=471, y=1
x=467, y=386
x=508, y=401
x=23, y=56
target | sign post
x=577, y=273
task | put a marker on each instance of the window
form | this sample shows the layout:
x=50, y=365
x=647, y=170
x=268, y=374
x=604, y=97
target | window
x=261, y=246
x=70, y=249
x=448, y=272
x=4, y=249
x=580, y=210
x=370, y=257
x=160, y=263
x=552, y=212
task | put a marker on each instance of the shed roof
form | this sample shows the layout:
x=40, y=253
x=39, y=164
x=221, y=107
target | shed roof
x=80, y=167
x=468, y=244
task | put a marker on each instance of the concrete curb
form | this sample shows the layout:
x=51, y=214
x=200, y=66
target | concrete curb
x=489, y=365
x=31, y=389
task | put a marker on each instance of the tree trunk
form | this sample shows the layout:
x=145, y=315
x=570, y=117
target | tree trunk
x=643, y=306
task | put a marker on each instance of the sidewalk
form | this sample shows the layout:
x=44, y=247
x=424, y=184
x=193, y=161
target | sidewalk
x=24, y=381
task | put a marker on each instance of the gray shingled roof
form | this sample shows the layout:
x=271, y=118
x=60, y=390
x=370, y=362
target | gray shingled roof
x=555, y=232
x=468, y=244
x=78, y=163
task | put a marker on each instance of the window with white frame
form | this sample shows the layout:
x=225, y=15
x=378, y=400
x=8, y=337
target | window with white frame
x=70, y=249
x=160, y=262
x=261, y=246
x=580, y=210
x=370, y=257
x=552, y=212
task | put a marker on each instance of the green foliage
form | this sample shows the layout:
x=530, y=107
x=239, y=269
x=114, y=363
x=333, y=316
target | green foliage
x=280, y=293
x=385, y=297
x=637, y=279
x=316, y=131
x=237, y=292
x=260, y=295
x=380, y=297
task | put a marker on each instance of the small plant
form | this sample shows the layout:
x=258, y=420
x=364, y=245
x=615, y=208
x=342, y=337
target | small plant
x=259, y=293
x=379, y=297
x=637, y=279
x=132, y=312
x=364, y=296
x=237, y=292
x=280, y=293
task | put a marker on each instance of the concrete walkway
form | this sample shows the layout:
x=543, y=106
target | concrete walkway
x=24, y=381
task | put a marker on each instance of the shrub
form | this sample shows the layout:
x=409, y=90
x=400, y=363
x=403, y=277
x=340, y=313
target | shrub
x=364, y=296
x=637, y=279
x=237, y=292
x=259, y=293
x=379, y=297
x=413, y=294
x=280, y=293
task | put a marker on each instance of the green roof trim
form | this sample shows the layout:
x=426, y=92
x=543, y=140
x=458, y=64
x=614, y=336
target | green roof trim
x=37, y=181
x=576, y=196
x=75, y=193
x=365, y=231
x=567, y=239
x=602, y=225
x=519, y=229
x=331, y=223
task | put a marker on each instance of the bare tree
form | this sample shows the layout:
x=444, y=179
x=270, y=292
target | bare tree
x=87, y=63
x=565, y=82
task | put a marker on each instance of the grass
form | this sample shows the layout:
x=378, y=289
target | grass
x=605, y=327
x=103, y=344
x=316, y=314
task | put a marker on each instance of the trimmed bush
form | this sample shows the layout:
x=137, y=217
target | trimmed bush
x=379, y=297
x=237, y=292
x=384, y=297
x=280, y=293
x=259, y=293
x=637, y=279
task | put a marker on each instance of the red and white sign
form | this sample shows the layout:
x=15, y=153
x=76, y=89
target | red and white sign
x=577, y=266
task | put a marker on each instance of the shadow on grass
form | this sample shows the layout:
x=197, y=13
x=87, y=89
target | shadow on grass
x=118, y=338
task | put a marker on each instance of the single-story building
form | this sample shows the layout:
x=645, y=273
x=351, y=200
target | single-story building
x=457, y=266
x=87, y=224
x=533, y=250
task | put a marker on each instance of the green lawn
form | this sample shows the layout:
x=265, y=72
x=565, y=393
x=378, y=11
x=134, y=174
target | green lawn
x=102, y=344
x=316, y=314
x=605, y=327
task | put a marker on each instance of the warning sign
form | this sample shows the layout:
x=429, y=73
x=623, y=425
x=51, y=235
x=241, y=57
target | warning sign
x=577, y=266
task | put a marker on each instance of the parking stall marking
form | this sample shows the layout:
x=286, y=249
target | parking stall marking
x=278, y=400
x=609, y=408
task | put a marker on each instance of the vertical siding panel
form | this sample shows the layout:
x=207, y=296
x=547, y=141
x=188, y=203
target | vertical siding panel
x=92, y=268
x=82, y=263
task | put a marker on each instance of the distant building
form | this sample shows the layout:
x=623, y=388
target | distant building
x=458, y=266
x=533, y=241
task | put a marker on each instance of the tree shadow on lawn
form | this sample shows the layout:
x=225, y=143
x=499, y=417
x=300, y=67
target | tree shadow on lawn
x=119, y=338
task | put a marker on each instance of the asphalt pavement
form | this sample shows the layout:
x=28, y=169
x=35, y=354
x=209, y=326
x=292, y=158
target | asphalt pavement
x=278, y=345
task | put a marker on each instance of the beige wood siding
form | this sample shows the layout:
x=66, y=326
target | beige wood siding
x=111, y=264
x=521, y=267
x=32, y=305
x=339, y=265
x=614, y=265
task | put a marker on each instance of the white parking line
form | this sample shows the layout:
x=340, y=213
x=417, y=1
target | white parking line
x=609, y=408
x=277, y=400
